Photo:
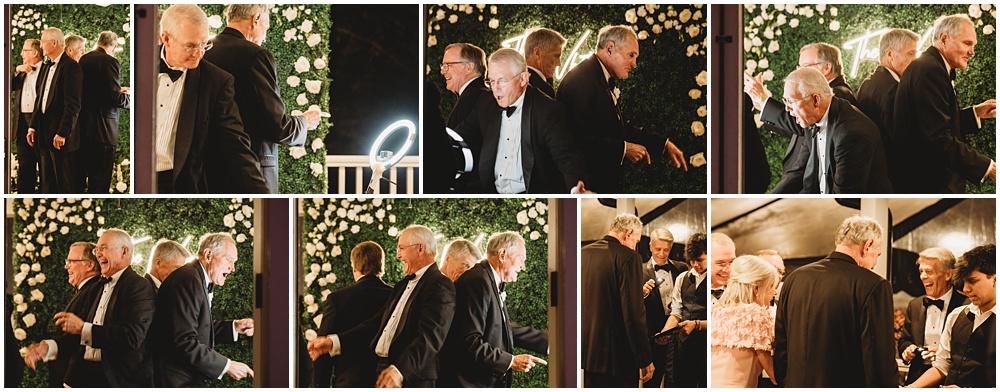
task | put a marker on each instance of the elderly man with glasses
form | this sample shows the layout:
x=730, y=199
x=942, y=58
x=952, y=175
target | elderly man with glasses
x=23, y=85
x=463, y=67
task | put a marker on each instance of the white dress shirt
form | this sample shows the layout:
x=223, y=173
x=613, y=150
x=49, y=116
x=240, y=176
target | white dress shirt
x=48, y=81
x=168, y=100
x=822, y=137
x=29, y=89
x=667, y=287
x=508, y=171
x=934, y=321
x=675, y=309
x=943, y=360
x=86, y=336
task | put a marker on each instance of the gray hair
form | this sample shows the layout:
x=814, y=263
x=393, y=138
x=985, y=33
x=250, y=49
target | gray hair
x=216, y=242
x=472, y=54
x=721, y=239
x=618, y=34
x=858, y=229
x=88, y=254
x=422, y=235
x=544, y=38
x=508, y=240
x=809, y=81
x=73, y=41
x=826, y=53
x=949, y=24
x=661, y=234
x=107, y=38
x=510, y=56
x=626, y=222
x=177, y=13
x=945, y=259
x=169, y=250
x=57, y=35
x=895, y=39
x=120, y=238
x=746, y=273
x=246, y=11
x=461, y=248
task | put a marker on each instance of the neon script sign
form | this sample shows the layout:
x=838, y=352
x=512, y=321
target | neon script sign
x=574, y=58
x=866, y=46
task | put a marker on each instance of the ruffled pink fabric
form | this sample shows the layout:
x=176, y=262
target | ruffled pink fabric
x=742, y=326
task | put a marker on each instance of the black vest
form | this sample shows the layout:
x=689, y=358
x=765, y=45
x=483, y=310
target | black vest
x=694, y=300
x=973, y=353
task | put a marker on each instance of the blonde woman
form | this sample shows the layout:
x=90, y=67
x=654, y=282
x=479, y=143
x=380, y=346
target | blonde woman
x=742, y=327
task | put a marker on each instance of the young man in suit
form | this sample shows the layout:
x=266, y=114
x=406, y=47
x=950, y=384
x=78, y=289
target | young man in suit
x=24, y=86
x=526, y=147
x=848, y=341
x=613, y=322
x=347, y=307
x=208, y=141
x=660, y=273
x=237, y=51
x=103, y=96
x=407, y=334
x=167, y=257
x=591, y=100
x=877, y=94
x=543, y=52
x=689, y=311
x=185, y=334
x=53, y=127
x=929, y=144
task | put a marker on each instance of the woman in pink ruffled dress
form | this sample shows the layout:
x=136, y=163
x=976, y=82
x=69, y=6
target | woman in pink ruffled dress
x=742, y=327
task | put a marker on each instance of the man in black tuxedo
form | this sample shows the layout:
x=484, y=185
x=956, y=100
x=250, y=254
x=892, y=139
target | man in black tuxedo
x=110, y=348
x=526, y=147
x=207, y=142
x=543, y=52
x=103, y=96
x=167, y=257
x=83, y=270
x=929, y=148
x=348, y=307
x=591, y=99
x=846, y=342
x=464, y=67
x=24, y=85
x=53, y=127
x=660, y=273
x=877, y=94
x=185, y=334
x=479, y=351
x=845, y=150
x=925, y=315
x=408, y=332
x=613, y=321
x=237, y=50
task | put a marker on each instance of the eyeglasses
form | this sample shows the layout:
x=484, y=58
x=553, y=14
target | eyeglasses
x=490, y=83
x=71, y=261
x=401, y=247
x=790, y=102
x=103, y=248
x=191, y=48
x=811, y=64
x=445, y=66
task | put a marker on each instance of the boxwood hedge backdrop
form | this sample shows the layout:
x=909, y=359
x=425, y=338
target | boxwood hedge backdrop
x=87, y=21
x=44, y=229
x=331, y=228
x=666, y=94
x=773, y=35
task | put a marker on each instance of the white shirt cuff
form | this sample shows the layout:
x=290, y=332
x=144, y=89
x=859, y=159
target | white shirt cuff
x=624, y=150
x=236, y=336
x=225, y=369
x=987, y=174
x=86, y=337
x=53, y=350
x=334, y=345
x=511, y=366
x=393, y=367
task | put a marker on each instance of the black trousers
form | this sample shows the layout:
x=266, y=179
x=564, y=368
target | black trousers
x=27, y=158
x=59, y=169
x=690, y=365
x=383, y=363
x=99, y=162
x=598, y=380
x=165, y=182
x=86, y=374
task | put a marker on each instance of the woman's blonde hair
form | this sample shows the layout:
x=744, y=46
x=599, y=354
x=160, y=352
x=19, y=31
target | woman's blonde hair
x=745, y=273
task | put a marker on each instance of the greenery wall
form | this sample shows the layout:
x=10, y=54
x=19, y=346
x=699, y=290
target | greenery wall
x=774, y=34
x=666, y=94
x=333, y=227
x=44, y=229
x=87, y=21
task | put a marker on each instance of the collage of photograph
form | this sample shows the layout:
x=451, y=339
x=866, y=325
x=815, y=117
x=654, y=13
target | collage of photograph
x=500, y=195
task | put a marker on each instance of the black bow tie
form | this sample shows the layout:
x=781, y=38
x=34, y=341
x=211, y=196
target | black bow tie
x=971, y=316
x=612, y=81
x=173, y=73
x=692, y=278
x=509, y=110
x=211, y=287
x=409, y=277
x=664, y=267
x=717, y=293
x=502, y=288
x=812, y=130
x=103, y=281
x=952, y=74
x=935, y=302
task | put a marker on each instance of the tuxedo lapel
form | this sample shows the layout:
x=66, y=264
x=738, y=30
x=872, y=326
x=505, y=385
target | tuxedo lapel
x=919, y=321
x=527, y=155
x=609, y=98
x=185, y=121
x=508, y=337
x=491, y=142
x=43, y=75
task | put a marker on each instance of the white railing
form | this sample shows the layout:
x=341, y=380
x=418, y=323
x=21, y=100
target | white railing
x=359, y=164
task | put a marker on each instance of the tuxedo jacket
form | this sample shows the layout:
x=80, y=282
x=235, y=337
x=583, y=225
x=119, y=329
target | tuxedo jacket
x=541, y=83
x=614, y=338
x=550, y=161
x=598, y=127
x=149, y=278
x=102, y=97
x=344, y=309
x=426, y=319
x=656, y=316
x=833, y=327
x=185, y=333
x=930, y=129
x=876, y=96
x=16, y=84
x=80, y=305
x=62, y=109
x=259, y=101
x=915, y=319
x=210, y=144
x=464, y=106
x=793, y=165
x=125, y=356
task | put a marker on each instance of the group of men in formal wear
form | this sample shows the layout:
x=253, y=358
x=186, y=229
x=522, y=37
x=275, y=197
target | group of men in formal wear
x=124, y=330
x=219, y=121
x=527, y=137
x=65, y=114
x=904, y=132
x=629, y=302
x=445, y=327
